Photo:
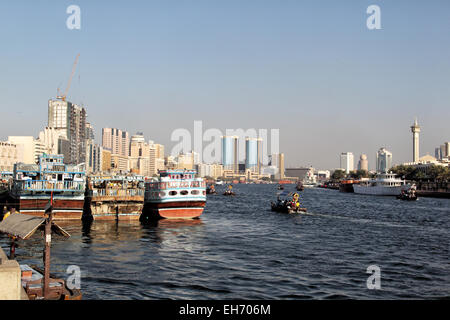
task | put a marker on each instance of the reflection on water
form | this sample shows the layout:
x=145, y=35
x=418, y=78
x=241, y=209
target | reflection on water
x=240, y=249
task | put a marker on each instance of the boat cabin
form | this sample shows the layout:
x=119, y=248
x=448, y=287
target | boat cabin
x=49, y=175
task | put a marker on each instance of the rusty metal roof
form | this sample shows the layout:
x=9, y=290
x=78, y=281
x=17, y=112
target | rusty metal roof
x=24, y=226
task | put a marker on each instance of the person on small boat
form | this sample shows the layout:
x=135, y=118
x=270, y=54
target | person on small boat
x=210, y=189
x=229, y=192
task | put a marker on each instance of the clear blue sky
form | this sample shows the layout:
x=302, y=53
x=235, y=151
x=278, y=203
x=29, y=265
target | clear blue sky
x=310, y=68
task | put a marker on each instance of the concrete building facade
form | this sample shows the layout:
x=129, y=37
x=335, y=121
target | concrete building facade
x=69, y=121
x=347, y=161
x=363, y=163
x=384, y=160
x=8, y=156
x=117, y=141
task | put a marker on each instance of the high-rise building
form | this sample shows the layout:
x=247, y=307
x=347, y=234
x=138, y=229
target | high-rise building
x=230, y=153
x=447, y=149
x=187, y=161
x=94, y=157
x=89, y=132
x=277, y=161
x=384, y=160
x=347, y=162
x=69, y=120
x=28, y=149
x=438, y=153
x=106, y=160
x=159, y=151
x=49, y=138
x=443, y=151
x=253, y=154
x=415, y=129
x=8, y=156
x=363, y=163
x=152, y=160
x=117, y=141
x=139, y=154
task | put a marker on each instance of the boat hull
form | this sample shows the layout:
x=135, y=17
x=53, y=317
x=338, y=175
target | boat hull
x=285, y=209
x=347, y=188
x=64, y=208
x=173, y=209
x=114, y=208
x=379, y=190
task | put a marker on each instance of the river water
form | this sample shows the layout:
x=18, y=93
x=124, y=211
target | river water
x=239, y=249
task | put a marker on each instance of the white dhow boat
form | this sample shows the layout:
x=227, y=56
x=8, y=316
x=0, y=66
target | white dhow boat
x=385, y=184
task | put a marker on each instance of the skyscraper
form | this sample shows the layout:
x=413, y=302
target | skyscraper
x=277, y=161
x=415, y=129
x=438, y=153
x=347, y=161
x=253, y=154
x=443, y=151
x=139, y=155
x=230, y=153
x=117, y=141
x=69, y=120
x=363, y=163
x=384, y=160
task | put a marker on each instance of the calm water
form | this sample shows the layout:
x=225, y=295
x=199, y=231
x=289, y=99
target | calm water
x=241, y=250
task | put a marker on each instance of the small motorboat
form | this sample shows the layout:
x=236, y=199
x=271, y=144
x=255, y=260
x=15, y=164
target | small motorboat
x=211, y=190
x=229, y=192
x=284, y=207
x=280, y=187
x=288, y=203
x=408, y=195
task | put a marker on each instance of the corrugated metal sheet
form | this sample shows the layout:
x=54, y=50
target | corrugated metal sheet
x=24, y=226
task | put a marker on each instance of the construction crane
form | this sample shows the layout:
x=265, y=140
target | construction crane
x=63, y=97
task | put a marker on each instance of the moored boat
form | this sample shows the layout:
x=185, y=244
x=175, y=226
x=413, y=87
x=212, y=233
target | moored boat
x=176, y=194
x=347, y=185
x=34, y=184
x=114, y=198
x=385, y=184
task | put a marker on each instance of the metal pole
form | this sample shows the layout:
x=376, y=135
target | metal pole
x=48, y=239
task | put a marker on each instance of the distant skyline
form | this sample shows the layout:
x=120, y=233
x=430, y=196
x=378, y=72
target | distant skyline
x=309, y=68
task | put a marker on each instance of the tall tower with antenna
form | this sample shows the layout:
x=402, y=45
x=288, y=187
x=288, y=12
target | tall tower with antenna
x=415, y=129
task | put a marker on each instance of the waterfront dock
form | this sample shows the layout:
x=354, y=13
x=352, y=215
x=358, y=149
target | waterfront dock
x=10, y=278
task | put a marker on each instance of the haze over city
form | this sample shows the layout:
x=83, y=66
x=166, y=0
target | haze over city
x=311, y=69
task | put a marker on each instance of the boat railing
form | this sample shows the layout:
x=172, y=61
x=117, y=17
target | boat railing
x=117, y=192
x=45, y=185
